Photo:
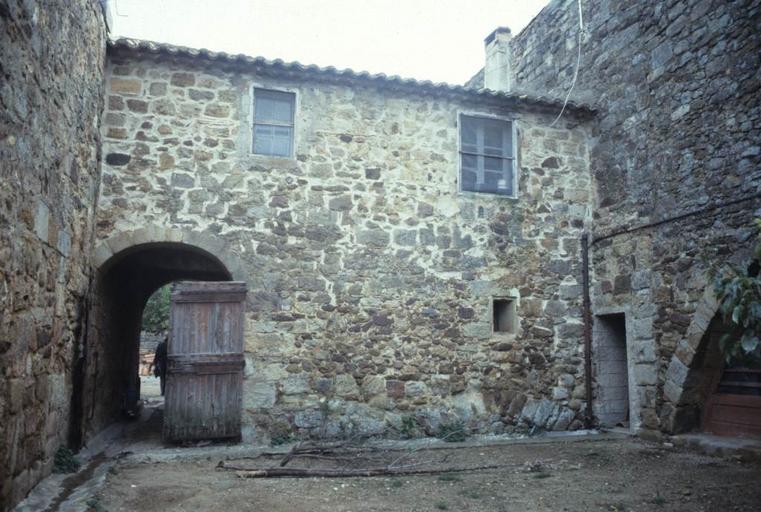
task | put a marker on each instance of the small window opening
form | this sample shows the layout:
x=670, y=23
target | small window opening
x=503, y=311
x=273, y=122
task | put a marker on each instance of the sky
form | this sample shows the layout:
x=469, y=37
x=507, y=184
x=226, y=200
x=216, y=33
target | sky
x=438, y=40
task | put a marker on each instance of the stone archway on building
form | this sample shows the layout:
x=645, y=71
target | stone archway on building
x=698, y=388
x=130, y=266
x=691, y=371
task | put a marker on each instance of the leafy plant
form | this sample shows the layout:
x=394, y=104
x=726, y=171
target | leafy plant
x=452, y=432
x=65, y=461
x=281, y=438
x=156, y=310
x=280, y=431
x=409, y=429
x=94, y=505
x=739, y=294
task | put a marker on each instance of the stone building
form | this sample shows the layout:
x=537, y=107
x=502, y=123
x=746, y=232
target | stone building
x=51, y=100
x=676, y=170
x=374, y=278
x=413, y=251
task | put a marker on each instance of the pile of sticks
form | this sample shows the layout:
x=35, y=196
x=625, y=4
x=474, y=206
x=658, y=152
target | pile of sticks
x=346, y=454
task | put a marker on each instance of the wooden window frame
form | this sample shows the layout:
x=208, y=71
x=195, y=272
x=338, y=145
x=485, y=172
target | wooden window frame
x=271, y=122
x=511, y=159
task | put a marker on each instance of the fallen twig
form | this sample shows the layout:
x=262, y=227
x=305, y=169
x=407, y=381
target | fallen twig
x=347, y=473
x=289, y=455
x=411, y=451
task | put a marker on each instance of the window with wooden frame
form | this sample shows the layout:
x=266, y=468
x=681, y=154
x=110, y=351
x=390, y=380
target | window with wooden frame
x=487, y=155
x=273, y=122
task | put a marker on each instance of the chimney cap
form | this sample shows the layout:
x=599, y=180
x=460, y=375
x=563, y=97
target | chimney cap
x=499, y=30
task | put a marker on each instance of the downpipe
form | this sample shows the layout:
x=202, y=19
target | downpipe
x=587, y=312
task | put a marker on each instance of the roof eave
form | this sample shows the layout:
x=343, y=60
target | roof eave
x=295, y=69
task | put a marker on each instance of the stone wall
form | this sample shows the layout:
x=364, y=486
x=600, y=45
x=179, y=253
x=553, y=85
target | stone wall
x=679, y=131
x=370, y=276
x=51, y=93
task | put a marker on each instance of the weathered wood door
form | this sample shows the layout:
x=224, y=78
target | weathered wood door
x=205, y=361
x=734, y=409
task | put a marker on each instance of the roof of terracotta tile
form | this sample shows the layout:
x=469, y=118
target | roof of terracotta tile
x=330, y=73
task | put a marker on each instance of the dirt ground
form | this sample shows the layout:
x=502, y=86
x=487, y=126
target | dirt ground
x=583, y=475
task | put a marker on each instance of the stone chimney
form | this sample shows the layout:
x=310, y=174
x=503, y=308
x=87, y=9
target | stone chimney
x=497, y=68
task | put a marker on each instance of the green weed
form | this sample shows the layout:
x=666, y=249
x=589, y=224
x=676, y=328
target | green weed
x=452, y=432
x=450, y=477
x=65, y=461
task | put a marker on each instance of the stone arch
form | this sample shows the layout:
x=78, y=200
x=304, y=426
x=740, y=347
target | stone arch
x=121, y=241
x=130, y=266
x=686, y=370
x=695, y=362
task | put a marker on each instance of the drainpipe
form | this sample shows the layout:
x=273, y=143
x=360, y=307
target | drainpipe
x=588, y=415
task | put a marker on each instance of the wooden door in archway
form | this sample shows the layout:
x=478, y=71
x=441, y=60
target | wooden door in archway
x=205, y=361
x=734, y=408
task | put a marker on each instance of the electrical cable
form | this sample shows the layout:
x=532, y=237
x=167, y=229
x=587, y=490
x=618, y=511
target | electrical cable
x=578, y=65
x=681, y=216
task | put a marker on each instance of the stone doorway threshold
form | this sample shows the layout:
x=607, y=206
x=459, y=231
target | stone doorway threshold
x=140, y=441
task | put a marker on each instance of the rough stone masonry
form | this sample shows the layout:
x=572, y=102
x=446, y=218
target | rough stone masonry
x=51, y=99
x=679, y=131
x=372, y=277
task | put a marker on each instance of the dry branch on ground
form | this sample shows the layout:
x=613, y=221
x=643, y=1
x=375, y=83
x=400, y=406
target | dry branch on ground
x=380, y=462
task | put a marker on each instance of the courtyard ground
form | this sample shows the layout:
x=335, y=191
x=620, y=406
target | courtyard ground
x=594, y=473
x=150, y=389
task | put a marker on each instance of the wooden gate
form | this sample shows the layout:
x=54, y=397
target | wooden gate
x=734, y=409
x=205, y=361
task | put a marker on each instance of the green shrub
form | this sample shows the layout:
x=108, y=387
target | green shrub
x=281, y=433
x=65, y=461
x=409, y=429
x=739, y=293
x=452, y=432
x=156, y=311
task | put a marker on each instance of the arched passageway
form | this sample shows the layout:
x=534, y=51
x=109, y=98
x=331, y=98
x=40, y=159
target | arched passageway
x=702, y=372
x=124, y=283
x=714, y=396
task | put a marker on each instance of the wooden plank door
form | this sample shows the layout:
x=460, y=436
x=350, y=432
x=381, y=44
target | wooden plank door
x=734, y=408
x=205, y=361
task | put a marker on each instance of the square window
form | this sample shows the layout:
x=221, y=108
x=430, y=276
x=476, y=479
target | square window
x=503, y=315
x=273, y=122
x=487, y=156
